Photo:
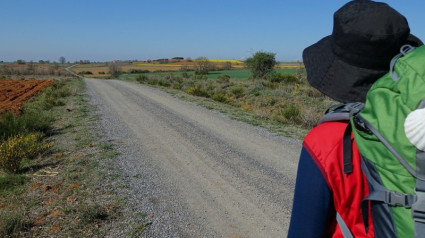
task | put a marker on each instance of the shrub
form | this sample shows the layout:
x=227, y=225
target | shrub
x=227, y=65
x=269, y=85
x=280, y=77
x=203, y=66
x=256, y=91
x=224, y=78
x=261, y=63
x=164, y=83
x=85, y=72
x=220, y=97
x=178, y=85
x=115, y=69
x=33, y=120
x=14, y=149
x=238, y=92
x=291, y=113
x=177, y=79
x=197, y=91
x=142, y=78
x=153, y=81
x=138, y=71
x=314, y=93
x=201, y=76
x=186, y=75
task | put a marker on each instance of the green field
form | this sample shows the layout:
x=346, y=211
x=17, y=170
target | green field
x=239, y=74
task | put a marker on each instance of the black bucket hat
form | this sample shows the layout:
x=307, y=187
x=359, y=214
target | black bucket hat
x=366, y=36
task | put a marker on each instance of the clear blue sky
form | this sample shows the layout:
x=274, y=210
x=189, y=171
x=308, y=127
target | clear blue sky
x=127, y=30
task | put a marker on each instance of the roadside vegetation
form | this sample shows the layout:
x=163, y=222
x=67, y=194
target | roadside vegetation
x=279, y=99
x=53, y=169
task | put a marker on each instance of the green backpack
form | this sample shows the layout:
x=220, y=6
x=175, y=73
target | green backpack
x=393, y=158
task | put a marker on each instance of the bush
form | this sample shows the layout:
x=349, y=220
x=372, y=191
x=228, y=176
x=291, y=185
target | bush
x=269, y=85
x=292, y=113
x=197, y=91
x=33, y=120
x=177, y=85
x=280, y=77
x=224, y=78
x=164, y=83
x=138, y=71
x=220, y=97
x=18, y=147
x=142, y=78
x=238, y=92
x=261, y=64
x=85, y=72
x=115, y=69
x=201, y=76
x=186, y=75
x=153, y=81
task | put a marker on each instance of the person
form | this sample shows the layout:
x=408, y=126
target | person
x=366, y=36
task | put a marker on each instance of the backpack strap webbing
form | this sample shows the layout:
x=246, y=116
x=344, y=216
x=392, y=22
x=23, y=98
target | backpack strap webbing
x=343, y=112
x=343, y=226
x=418, y=208
x=347, y=150
x=390, y=147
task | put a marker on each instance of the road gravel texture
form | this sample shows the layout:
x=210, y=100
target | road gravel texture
x=193, y=171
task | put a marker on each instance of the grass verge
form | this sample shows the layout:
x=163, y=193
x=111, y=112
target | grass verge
x=283, y=103
x=62, y=192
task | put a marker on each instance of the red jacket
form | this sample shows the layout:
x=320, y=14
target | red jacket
x=325, y=145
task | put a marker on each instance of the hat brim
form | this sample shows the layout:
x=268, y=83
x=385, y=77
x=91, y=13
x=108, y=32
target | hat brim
x=337, y=79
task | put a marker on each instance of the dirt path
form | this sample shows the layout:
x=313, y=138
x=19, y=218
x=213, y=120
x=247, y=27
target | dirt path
x=227, y=178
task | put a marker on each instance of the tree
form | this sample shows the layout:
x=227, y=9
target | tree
x=62, y=60
x=227, y=65
x=202, y=65
x=261, y=63
x=115, y=69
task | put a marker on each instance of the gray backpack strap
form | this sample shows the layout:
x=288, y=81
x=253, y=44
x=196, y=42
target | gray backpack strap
x=418, y=208
x=344, y=228
x=341, y=112
x=399, y=157
x=376, y=201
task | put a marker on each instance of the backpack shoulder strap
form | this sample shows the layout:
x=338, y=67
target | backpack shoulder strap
x=343, y=112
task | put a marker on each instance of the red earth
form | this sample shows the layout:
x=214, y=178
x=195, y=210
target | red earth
x=14, y=93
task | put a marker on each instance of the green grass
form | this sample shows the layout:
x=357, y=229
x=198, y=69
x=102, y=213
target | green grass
x=12, y=224
x=237, y=74
x=10, y=182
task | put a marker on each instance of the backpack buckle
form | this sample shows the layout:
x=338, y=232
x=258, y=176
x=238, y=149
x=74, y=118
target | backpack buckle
x=418, y=207
x=399, y=199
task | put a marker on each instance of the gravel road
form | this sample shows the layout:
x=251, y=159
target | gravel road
x=192, y=171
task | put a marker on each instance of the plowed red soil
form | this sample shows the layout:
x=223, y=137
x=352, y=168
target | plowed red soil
x=13, y=93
